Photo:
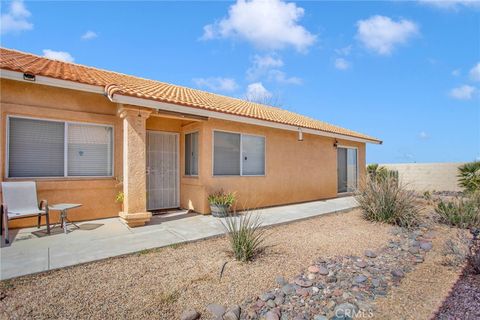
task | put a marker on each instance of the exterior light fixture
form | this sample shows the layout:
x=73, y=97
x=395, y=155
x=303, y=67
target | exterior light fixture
x=300, y=134
x=28, y=77
x=335, y=144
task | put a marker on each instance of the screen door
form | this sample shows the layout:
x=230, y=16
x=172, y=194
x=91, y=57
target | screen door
x=347, y=169
x=162, y=170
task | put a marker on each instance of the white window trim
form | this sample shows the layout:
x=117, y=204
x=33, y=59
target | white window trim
x=358, y=167
x=241, y=154
x=198, y=155
x=65, y=175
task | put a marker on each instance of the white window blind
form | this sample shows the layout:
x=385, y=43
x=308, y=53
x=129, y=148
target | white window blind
x=253, y=155
x=226, y=154
x=35, y=148
x=191, y=154
x=89, y=150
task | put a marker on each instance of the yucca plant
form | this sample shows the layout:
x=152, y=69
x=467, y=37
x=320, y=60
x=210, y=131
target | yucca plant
x=386, y=200
x=245, y=234
x=469, y=176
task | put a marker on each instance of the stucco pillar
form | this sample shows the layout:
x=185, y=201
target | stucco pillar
x=134, y=165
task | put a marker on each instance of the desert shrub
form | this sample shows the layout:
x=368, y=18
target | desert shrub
x=469, y=176
x=245, y=234
x=222, y=198
x=461, y=212
x=386, y=200
x=376, y=172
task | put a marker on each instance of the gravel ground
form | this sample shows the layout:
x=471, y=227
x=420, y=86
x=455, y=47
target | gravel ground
x=162, y=283
x=422, y=291
x=464, y=301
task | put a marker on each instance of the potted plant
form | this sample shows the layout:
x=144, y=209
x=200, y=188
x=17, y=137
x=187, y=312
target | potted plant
x=220, y=203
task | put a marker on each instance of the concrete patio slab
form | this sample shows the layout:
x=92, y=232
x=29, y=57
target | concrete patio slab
x=31, y=252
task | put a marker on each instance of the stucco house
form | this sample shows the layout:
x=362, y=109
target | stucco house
x=79, y=131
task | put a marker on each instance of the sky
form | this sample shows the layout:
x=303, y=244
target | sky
x=407, y=73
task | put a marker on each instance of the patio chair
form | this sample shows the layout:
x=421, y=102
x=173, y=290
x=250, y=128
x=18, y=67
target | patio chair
x=20, y=201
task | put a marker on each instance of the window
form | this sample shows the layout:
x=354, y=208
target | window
x=238, y=154
x=191, y=154
x=43, y=148
x=347, y=169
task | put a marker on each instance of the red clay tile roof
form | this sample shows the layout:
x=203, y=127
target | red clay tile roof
x=122, y=84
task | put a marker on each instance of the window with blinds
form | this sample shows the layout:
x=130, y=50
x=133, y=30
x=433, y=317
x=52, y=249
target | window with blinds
x=237, y=154
x=191, y=154
x=44, y=148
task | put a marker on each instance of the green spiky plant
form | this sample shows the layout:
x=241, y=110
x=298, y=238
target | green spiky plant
x=469, y=176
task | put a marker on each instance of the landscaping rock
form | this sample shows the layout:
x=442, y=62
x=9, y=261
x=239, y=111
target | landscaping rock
x=288, y=289
x=424, y=245
x=216, y=310
x=323, y=271
x=280, y=281
x=190, y=315
x=303, y=283
x=311, y=276
x=233, y=313
x=320, y=317
x=370, y=254
x=414, y=250
x=271, y=304
x=398, y=273
x=271, y=316
x=267, y=296
x=361, y=264
x=360, y=278
x=313, y=269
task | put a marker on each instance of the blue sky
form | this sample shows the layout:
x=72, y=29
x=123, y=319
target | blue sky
x=406, y=72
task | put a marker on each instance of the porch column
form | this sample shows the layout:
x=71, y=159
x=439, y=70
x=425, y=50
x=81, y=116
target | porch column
x=134, y=165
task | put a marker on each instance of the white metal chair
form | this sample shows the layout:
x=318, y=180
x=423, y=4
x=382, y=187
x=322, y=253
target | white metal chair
x=20, y=201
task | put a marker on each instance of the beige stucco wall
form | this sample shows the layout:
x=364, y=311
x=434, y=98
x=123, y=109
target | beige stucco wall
x=96, y=195
x=428, y=176
x=295, y=171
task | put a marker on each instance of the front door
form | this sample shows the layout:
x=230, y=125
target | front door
x=162, y=170
x=347, y=169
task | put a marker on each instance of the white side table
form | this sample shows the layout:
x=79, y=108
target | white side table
x=63, y=208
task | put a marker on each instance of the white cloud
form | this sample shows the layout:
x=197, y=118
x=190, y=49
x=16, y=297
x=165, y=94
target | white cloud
x=217, y=84
x=281, y=77
x=464, y=92
x=381, y=34
x=452, y=4
x=341, y=64
x=16, y=18
x=89, y=35
x=257, y=92
x=475, y=72
x=345, y=51
x=267, y=66
x=456, y=72
x=267, y=24
x=423, y=135
x=58, y=55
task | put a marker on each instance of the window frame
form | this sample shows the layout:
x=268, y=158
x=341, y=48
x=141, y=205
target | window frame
x=65, y=147
x=241, y=154
x=198, y=153
x=357, y=169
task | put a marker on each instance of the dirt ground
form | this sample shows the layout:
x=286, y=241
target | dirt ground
x=162, y=283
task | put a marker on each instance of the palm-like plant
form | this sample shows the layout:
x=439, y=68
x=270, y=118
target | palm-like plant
x=469, y=176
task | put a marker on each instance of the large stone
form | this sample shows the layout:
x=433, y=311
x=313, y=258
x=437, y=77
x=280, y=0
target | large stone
x=216, y=310
x=267, y=296
x=303, y=283
x=288, y=289
x=323, y=271
x=271, y=316
x=360, y=278
x=232, y=314
x=370, y=254
x=398, y=273
x=424, y=245
x=190, y=315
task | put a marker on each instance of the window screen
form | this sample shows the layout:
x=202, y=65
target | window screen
x=253, y=155
x=89, y=150
x=35, y=148
x=226, y=153
x=191, y=154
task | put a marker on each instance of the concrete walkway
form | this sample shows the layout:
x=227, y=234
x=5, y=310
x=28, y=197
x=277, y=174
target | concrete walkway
x=31, y=252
